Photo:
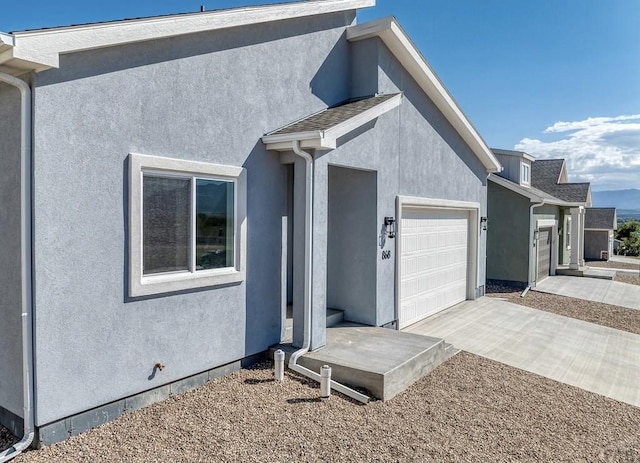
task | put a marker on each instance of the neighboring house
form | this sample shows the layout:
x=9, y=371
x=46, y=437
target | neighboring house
x=536, y=219
x=175, y=206
x=599, y=226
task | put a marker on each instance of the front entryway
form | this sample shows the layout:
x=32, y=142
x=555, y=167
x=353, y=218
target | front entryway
x=352, y=234
x=434, y=262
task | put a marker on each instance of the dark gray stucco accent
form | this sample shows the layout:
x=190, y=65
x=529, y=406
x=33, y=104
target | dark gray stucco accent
x=352, y=244
x=10, y=280
x=60, y=430
x=595, y=242
x=207, y=97
x=507, y=235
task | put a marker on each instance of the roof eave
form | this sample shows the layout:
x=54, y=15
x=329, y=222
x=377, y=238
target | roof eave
x=328, y=139
x=44, y=46
x=508, y=184
x=403, y=49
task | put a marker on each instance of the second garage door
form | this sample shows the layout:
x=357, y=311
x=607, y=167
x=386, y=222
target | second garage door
x=434, y=262
x=544, y=253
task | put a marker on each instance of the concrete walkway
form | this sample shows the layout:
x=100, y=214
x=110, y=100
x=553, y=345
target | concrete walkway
x=591, y=289
x=592, y=357
x=626, y=259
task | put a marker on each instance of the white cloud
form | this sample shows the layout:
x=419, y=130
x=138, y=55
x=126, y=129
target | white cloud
x=602, y=150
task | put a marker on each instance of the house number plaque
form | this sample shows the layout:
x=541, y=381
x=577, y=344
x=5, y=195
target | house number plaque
x=386, y=255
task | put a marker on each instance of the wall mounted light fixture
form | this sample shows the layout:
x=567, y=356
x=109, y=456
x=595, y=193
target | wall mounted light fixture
x=536, y=235
x=390, y=226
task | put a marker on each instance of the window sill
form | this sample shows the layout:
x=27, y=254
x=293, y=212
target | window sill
x=174, y=282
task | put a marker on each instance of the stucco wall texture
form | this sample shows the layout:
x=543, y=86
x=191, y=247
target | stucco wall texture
x=595, y=241
x=508, y=235
x=10, y=274
x=210, y=97
x=206, y=97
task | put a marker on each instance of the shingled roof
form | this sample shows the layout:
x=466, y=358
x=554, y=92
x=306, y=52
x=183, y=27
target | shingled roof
x=546, y=172
x=600, y=218
x=546, y=175
x=321, y=130
x=331, y=117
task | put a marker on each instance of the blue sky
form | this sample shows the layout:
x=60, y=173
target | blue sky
x=555, y=78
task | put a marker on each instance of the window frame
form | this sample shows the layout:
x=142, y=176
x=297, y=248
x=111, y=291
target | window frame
x=525, y=167
x=144, y=285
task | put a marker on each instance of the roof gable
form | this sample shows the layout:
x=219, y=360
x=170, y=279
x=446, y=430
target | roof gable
x=550, y=175
x=600, y=218
x=412, y=60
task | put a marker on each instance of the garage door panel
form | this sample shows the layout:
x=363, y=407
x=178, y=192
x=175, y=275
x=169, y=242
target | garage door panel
x=544, y=253
x=433, y=263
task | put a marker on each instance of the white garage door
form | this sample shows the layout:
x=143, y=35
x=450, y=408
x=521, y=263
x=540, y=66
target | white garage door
x=434, y=262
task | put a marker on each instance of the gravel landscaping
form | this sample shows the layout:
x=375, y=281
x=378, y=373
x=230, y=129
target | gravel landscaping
x=612, y=316
x=469, y=409
x=630, y=279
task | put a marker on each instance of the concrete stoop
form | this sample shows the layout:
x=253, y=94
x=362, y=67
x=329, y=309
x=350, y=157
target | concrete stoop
x=383, y=361
x=587, y=272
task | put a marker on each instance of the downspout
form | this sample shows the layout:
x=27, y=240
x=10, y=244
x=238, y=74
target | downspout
x=531, y=256
x=308, y=282
x=26, y=287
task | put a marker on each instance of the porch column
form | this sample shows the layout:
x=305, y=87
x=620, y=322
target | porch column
x=575, y=242
x=581, y=236
x=299, y=296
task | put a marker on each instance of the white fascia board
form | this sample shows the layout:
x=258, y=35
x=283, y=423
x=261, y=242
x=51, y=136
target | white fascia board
x=403, y=49
x=48, y=42
x=289, y=137
x=361, y=119
x=519, y=154
x=309, y=144
x=515, y=188
x=6, y=41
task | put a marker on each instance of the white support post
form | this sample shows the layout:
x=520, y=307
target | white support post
x=575, y=239
x=581, y=237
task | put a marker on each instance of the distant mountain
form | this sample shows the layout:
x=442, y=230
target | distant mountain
x=620, y=199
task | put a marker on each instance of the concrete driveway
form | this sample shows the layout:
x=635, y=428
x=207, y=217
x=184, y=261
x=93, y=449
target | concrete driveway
x=592, y=289
x=592, y=357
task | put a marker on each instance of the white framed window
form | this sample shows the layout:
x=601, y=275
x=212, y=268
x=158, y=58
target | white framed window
x=525, y=173
x=186, y=224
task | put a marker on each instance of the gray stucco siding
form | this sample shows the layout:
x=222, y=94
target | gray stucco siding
x=434, y=160
x=10, y=273
x=507, y=235
x=207, y=97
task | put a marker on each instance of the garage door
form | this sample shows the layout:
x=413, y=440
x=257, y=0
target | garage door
x=434, y=262
x=544, y=253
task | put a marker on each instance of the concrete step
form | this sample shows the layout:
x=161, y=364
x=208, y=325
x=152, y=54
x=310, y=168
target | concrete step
x=384, y=362
x=587, y=272
x=334, y=317
x=450, y=350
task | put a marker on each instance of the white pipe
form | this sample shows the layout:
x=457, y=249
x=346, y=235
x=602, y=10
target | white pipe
x=308, y=252
x=325, y=382
x=532, y=256
x=278, y=361
x=308, y=281
x=25, y=249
